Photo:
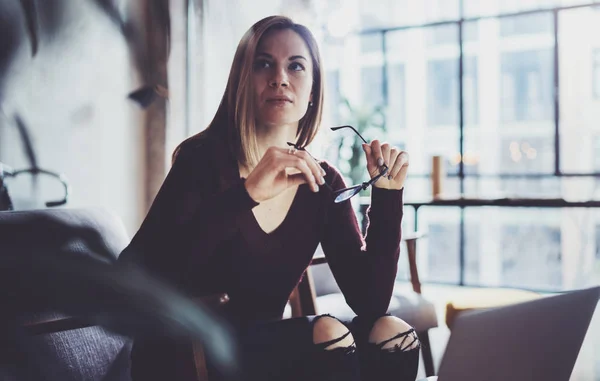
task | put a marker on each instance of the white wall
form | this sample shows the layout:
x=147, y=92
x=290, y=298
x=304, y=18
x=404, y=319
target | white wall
x=225, y=22
x=72, y=95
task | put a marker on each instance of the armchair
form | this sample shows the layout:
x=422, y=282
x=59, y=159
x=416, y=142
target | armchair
x=73, y=347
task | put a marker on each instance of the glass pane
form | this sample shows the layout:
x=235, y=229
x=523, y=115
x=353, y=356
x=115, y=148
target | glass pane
x=427, y=61
x=475, y=8
x=512, y=6
x=371, y=42
x=596, y=73
x=596, y=151
x=513, y=187
x=343, y=196
x=438, y=253
x=394, y=13
x=526, y=85
x=508, y=99
x=471, y=91
x=438, y=10
x=579, y=63
x=513, y=241
x=581, y=188
x=420, y=188
x=442, y=92
x=396, y=92
x=332, y=52
x=386, y=13
x=332, y=97
x=538, y=23
x=371, y=83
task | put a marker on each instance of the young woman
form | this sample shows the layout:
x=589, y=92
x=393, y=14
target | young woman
x=240, y=212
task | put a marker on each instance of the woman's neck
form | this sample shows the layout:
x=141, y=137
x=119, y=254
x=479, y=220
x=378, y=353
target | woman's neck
x=272, y=136
x=275, y=136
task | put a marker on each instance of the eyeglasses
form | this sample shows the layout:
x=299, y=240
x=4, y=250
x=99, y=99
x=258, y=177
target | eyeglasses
x=342, y=195
x=7, y=172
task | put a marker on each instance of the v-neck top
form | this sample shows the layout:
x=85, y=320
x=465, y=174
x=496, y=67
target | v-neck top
x=201, y=236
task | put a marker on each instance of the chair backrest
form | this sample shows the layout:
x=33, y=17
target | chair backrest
x=323, y=279
x=90, y=353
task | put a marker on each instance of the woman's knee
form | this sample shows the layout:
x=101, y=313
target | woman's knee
x=393, y=332
x=329, y=329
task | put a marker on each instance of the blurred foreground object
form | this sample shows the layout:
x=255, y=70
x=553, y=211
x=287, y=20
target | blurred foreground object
x=57, y=263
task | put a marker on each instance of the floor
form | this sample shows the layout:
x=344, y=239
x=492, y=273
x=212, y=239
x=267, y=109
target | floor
x=587, y=367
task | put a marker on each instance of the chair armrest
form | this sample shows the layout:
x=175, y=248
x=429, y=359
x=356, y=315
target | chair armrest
x=76, y=322
x=56, y=325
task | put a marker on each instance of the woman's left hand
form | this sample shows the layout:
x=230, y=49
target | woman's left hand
x=397, y=161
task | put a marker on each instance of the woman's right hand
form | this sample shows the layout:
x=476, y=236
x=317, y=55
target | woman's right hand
x=272, y=176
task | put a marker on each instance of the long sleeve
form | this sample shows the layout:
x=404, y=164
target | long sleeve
x=364, y=268
x=190, y=216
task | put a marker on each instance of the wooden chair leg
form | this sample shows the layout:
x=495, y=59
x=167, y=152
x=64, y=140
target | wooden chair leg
x=426, y=351
x=200, y=362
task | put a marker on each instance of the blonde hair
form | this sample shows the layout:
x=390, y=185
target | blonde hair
x=236, y=110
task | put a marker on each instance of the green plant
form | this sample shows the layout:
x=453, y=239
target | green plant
x=369, y=121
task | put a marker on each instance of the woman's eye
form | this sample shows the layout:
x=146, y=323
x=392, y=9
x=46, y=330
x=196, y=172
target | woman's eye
x=262, y=64
x=296, y=66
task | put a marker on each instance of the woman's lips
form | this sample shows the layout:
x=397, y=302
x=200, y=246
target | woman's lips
x=279, y=101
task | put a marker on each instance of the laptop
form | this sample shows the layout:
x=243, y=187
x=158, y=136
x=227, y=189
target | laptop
x=536, y=340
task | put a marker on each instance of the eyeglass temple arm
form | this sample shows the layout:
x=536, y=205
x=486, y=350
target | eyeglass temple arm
x=352, y=128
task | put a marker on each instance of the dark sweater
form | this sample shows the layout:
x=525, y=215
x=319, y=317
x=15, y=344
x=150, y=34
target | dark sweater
x=201, y=236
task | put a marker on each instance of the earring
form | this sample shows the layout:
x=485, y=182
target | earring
x=310, y=104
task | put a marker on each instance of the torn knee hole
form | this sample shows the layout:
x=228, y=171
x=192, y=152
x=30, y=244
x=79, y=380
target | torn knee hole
x=403, y=342
x=329, y=334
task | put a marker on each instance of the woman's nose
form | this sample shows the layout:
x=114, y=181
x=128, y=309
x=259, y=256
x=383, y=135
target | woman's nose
x=279, y=79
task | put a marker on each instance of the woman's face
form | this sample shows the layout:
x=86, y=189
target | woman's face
x=283, y=79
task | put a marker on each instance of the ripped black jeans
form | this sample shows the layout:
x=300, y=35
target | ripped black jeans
x=284, y=350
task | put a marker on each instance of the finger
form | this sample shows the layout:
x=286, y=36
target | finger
x=315, y=168
x=385, y=153
x=292, y=161
x=401, y=161
x=376, y=153
x=393, y=161
x=371, y=162
x=297, y=179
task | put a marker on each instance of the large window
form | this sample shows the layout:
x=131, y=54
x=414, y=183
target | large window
x=528, y=124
